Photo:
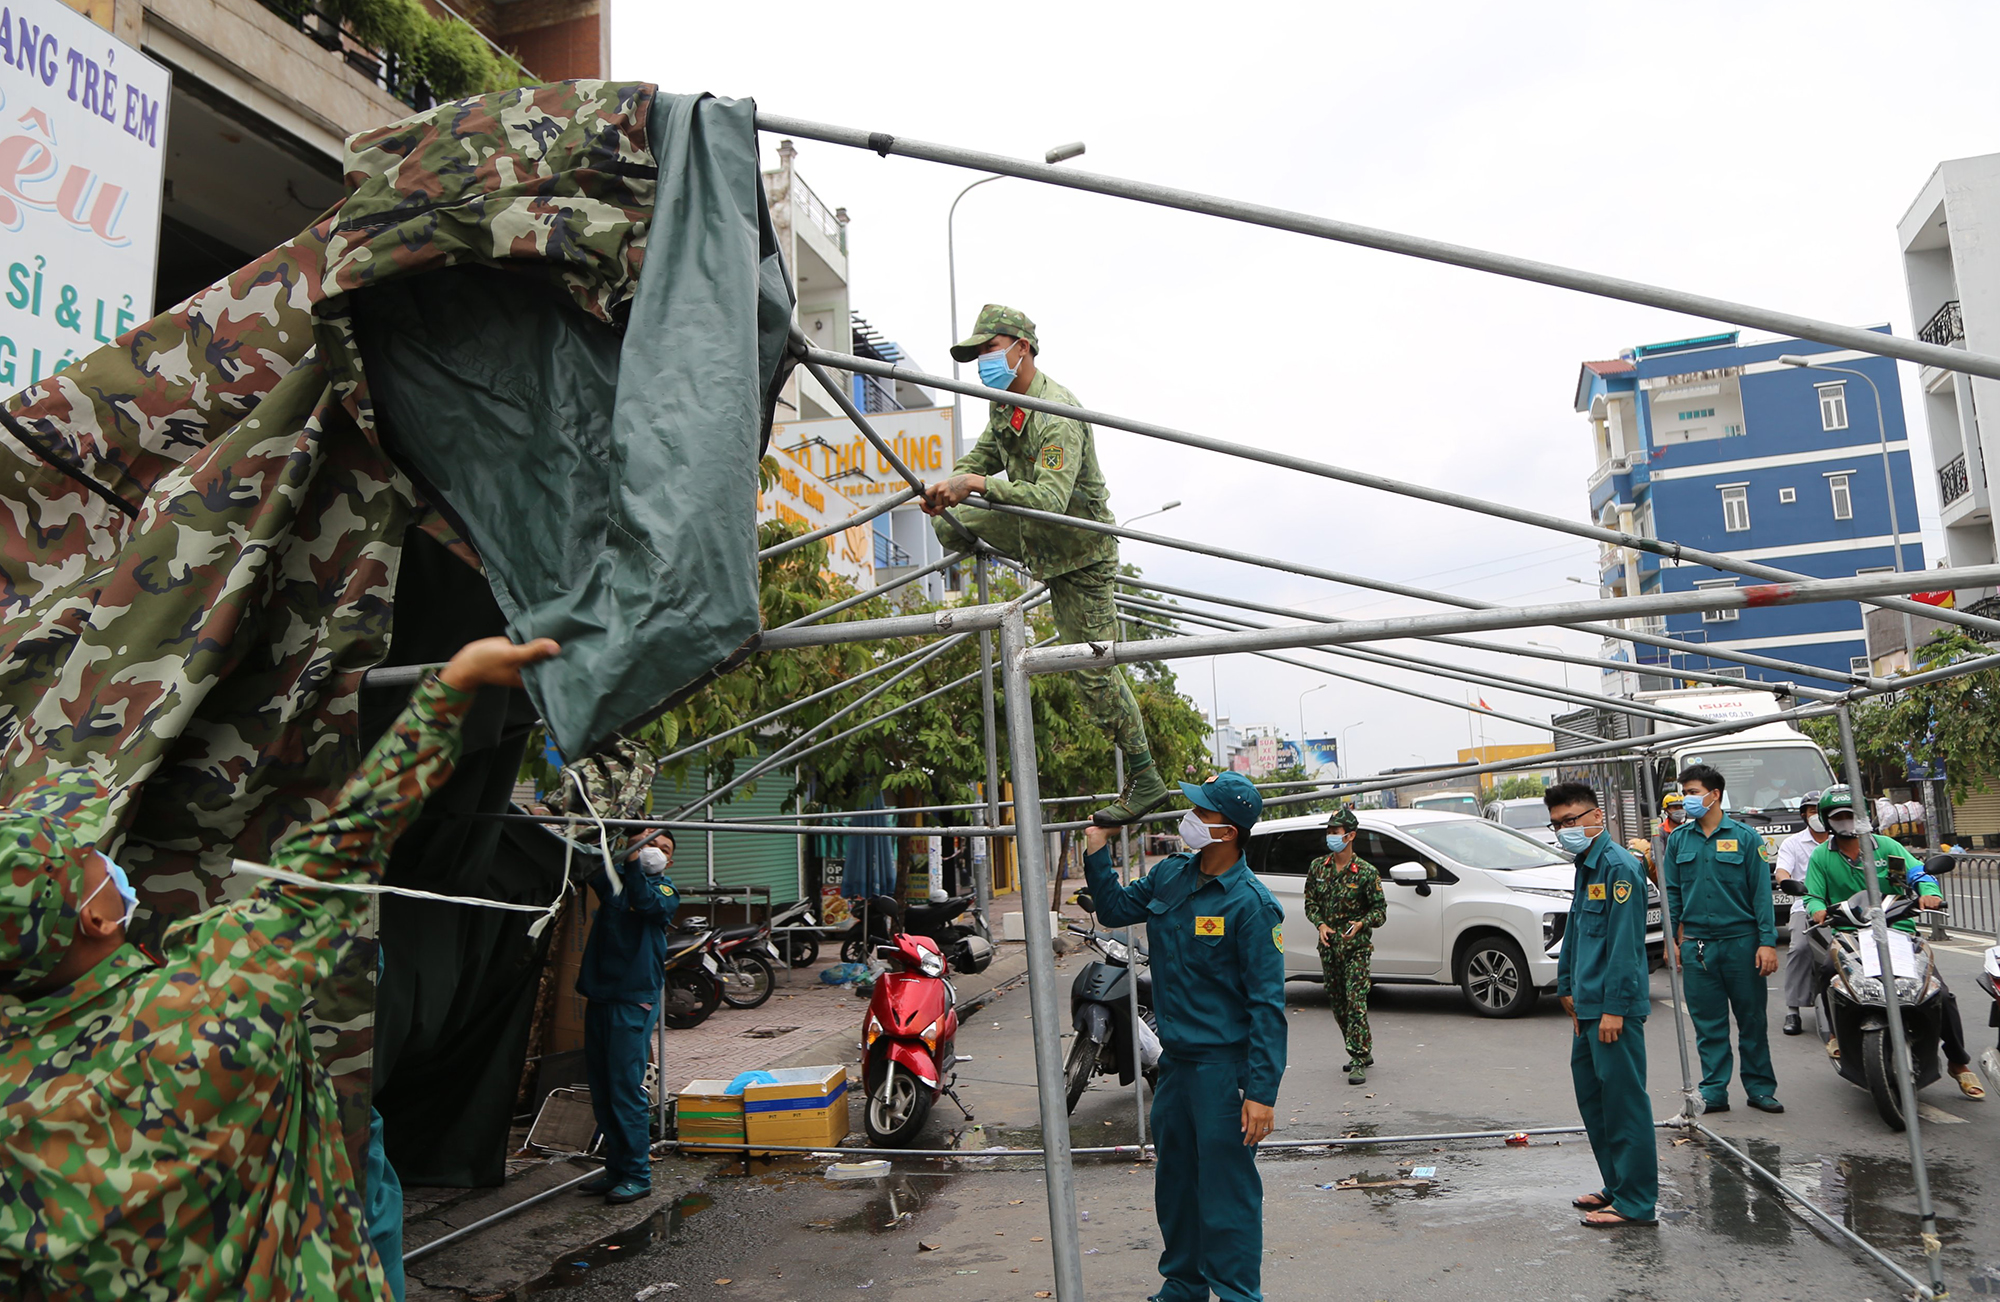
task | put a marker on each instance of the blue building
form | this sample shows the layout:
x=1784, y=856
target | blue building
x=1715, y=443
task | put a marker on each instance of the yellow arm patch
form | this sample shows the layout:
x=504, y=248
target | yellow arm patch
x=1595, y=890
x=1208, y=926
x=1621, y=892
x=1278, y=938
x=1052, y=457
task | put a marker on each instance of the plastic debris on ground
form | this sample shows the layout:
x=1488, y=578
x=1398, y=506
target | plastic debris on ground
x=841, y=974
x=1518, y=1139
x=651, y=1291
x=858, y=1170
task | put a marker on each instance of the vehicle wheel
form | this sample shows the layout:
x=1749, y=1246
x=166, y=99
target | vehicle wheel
x=802, y=951
x=854, y=951
x=746, y=980
x=1878, y=1061
x=1494, y=976
x=1080, y=1067
x=691, y=996
x=897, y=1108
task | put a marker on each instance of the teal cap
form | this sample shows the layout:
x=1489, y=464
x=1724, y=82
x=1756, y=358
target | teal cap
x=1230, y=795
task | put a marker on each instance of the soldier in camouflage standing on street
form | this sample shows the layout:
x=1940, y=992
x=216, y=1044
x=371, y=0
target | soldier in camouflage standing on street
x=1344, y=900
x=167, y=1131
x=1048, y=463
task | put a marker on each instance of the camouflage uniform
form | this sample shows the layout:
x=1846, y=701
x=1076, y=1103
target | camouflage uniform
x=1339, y=898
x=166, y=1129
x=1049, y=463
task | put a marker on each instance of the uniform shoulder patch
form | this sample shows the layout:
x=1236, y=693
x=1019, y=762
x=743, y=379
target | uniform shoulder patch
x=1018, y=420
x=1278, y=938
x=1052, y=457
x=1210, y=925
x=1621, y=892
x=1594, y=891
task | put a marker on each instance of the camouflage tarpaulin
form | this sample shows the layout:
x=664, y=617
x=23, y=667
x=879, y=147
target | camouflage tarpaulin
x=203, y=529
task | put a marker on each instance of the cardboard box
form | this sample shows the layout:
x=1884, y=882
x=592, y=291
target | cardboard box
x=804, y=1107
x=707, y=1119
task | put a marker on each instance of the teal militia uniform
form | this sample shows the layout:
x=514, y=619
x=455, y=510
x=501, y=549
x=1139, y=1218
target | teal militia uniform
x=624, y=966
x=1049, y=463
x=1719, y=901
x=1603, y=969
x=1338, y=898
x=1219, y=994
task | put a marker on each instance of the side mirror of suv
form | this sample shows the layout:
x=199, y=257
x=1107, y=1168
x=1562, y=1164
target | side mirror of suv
x=1409, y=874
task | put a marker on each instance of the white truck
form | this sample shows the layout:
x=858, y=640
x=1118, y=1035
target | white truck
x=1767, y=767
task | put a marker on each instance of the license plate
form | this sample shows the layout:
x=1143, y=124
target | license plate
x=1652, y=917
x=708, y=961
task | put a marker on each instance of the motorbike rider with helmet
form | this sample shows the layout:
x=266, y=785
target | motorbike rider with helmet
x=1673, y=812
x=1834, y=874
x=1793, y=856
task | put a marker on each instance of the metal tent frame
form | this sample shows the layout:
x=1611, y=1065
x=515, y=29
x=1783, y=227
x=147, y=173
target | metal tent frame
x=1005, y=680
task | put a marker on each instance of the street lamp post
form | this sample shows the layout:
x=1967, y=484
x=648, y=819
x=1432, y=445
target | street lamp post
x=1888, y=482
x=1565, y=664
x=1343, y=745
x=1302, y=720
x=1060, y=154
x=1160, y=510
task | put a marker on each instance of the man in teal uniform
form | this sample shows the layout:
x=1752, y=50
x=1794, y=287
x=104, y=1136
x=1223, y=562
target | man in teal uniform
x=1219, y=992
x=1601, y=976
x=624, y=963
x=1049, y=464
x=1718, y=884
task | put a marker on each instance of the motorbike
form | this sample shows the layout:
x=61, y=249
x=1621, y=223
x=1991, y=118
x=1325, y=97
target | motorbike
x=961, y=943
x=693, y=983
x=908, y=1041
x=1100, y=1010
x=1989, y=981
x=745, y=964
x=797, y=946
x=1853, y=1008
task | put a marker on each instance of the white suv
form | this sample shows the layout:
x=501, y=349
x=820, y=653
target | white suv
x=1471, y=903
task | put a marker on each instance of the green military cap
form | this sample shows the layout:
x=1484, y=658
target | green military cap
x=42, y=860
x=995, y=319
x=1344, y=818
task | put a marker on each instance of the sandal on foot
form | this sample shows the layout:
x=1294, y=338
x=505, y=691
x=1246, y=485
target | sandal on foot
x=1968, y=1084
x=1592, y=1201
x=1606, y=1219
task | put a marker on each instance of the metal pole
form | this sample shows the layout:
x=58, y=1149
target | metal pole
x=804, y=350
x=1501, y=648
x=443, y=1240
x=889, y=503
x=1397, y=589
x=1393, y=660
x=1391, y=687
x=1032, y=847
x=1458, y=255
x=1665, y=547
x=1096, y=654
x=988, y=735
x=1649, y=784
x=954, y=619
x=879, y=590
x=1898, y=1042
x=1125, y=874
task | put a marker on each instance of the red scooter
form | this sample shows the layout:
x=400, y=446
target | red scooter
x=907, y=1039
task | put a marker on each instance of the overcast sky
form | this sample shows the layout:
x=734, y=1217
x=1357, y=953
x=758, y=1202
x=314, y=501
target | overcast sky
x=1756, y=152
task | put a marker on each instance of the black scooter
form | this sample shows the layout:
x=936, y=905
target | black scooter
x=1853, y=1007
x=961, y=942
x=693, y=982
x=1100, y=1010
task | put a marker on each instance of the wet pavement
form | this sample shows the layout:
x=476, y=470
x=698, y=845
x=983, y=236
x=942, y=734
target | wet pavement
x=1491, y=1221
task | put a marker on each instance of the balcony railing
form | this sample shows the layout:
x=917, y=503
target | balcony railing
x=871, y=397
x=1953, y=482
x=1946, y=326
x=829, y=223
x=380, y=66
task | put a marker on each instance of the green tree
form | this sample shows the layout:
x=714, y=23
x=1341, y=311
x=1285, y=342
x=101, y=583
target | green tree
x=1955, y=721
x=1518, y=786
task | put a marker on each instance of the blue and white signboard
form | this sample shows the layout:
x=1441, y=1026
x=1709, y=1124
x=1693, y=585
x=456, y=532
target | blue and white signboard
x=83, y=130
x=1322, y=753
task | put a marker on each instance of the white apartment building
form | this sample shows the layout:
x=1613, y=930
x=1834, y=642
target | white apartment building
x=1950, y=239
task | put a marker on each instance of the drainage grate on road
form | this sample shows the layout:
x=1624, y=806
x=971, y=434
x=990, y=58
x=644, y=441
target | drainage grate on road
x=768, y=1032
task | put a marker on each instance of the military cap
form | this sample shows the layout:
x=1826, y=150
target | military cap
x=1345, y=818
x=995, y=319
x=42, y=859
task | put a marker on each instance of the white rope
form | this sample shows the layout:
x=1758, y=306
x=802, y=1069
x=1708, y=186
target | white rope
x=248, y=869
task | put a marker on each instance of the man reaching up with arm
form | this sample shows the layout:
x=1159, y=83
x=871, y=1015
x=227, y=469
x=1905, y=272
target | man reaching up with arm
x=166, y=1129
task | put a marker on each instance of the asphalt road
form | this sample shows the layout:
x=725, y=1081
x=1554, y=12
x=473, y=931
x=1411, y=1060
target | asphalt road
x=1496, y=1224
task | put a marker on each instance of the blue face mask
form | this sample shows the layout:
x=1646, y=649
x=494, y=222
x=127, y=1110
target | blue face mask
x=1335, y=842
x=116, y=878
x=1577, y=839
x=1694, y=806
x=994, y=372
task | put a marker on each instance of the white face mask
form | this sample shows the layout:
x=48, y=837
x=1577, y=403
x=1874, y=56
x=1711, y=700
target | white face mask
x=1197, y=834
x=653, y=861
x=1814, y=822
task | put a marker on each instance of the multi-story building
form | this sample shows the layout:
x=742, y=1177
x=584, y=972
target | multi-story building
x=1951, y=264
x=1715, y=443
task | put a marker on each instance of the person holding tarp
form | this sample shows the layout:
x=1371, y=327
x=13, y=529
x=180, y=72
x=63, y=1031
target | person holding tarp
x=1049, y=463
x=166, y=1129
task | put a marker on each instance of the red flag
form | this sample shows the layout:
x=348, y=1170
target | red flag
x=1483, y=705
x=1947, y=599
